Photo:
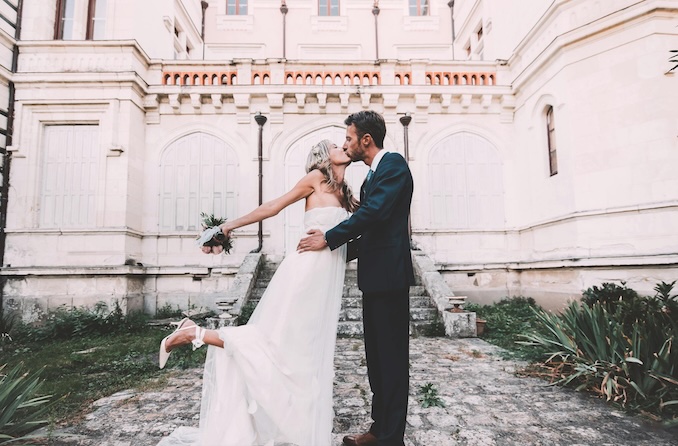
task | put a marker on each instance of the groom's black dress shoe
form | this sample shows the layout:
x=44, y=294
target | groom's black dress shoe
x=360, y=440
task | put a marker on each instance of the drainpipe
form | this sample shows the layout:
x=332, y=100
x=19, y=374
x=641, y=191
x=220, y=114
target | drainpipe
x=204, y=5
x=283, y=11
x=451, y=5
x=261, y=120
x=7, y=161
x=375, y=11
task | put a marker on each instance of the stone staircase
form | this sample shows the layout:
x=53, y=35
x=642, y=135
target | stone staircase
x=424, y=316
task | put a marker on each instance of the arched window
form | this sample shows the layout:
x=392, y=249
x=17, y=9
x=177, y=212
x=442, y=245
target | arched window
x=551, y=141
x=197, y=174
x=466, y=185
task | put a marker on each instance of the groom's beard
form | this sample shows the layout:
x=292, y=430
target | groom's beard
x=357, y=155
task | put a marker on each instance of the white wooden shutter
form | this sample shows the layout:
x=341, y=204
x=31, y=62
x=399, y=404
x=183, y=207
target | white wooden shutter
x=466, y=184
x=197, y=175
x=70, y=171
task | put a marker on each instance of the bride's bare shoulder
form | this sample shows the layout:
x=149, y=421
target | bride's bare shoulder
x=315, y=176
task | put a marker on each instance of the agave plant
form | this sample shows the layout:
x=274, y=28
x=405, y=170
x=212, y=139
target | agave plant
x=633, y=364
x=7, y=322
x=21, y=411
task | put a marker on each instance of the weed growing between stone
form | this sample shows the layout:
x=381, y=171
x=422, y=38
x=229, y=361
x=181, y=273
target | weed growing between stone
x=429, y=396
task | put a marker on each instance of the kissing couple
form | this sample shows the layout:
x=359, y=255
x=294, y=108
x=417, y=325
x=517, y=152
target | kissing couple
x=269, y=382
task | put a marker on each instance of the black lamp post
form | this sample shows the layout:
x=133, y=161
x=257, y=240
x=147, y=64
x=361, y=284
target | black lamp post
x=283, y=11
x=204, y=6
x=375, y=11
x=405, y=121
x=261, y=120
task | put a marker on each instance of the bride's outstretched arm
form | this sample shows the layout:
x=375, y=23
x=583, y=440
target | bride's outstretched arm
x=302, y=189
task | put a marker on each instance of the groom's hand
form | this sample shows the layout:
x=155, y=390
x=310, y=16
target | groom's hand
x=314, y=242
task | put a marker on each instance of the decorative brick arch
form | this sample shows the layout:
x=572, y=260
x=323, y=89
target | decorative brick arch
x=185, y=78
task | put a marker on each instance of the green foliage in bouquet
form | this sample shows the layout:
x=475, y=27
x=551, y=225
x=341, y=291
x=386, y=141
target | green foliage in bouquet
x=209, y=221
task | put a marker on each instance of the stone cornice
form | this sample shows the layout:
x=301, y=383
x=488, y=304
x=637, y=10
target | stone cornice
x=557, y=30
x=635, y=261
x=118, y=270
x=590, y=213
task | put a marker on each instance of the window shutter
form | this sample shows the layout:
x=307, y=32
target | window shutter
x=197, y=175
x=70, y=174
x=465, y=175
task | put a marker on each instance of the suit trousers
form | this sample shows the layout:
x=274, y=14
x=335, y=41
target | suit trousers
x=386, y=318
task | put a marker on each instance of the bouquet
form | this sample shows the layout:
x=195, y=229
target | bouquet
x=212, y=239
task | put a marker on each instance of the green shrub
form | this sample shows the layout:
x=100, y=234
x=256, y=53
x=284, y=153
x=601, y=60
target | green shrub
x=68, y=323
x=246, y=312
x=7, y=323
x=622, y=350
x=609, y=295
x=167, y=312
x=21, y=411
x=507, y=321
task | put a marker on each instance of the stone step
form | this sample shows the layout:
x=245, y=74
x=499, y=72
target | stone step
x=427, y=329
x=353, y=293
x=350, y=329
x=415, y=302
x=354, y=329
x=423, y=314
x=416, y=314
x=424, y=319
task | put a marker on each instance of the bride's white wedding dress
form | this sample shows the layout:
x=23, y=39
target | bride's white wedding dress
x=272, y=381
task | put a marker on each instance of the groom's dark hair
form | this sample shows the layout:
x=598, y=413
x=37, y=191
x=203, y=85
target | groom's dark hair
x=369, y=121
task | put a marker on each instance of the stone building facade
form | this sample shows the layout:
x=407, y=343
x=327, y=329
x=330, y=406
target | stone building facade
x=543, y=139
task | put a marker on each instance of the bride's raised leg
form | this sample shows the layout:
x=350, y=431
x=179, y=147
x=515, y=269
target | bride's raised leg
x=184, y=337
x=187, y=333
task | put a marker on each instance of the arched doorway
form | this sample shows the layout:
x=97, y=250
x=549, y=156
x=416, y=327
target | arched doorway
x=295, y=161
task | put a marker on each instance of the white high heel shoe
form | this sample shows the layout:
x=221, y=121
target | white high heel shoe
x=197, y=342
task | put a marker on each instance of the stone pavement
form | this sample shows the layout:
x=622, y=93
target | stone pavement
x=485, y=404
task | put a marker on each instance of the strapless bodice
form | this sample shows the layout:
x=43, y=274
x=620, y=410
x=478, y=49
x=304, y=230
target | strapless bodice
x=324, y=218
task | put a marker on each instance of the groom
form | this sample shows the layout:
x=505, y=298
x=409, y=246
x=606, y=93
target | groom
x=384, y=273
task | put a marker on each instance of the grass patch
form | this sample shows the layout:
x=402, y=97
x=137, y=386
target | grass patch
x=80, y=370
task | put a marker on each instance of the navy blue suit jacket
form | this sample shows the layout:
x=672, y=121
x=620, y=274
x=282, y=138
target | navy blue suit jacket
x=381, y=222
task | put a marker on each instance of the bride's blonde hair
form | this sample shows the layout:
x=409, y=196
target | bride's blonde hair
x=319, y=158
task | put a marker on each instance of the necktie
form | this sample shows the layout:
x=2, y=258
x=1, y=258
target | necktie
x=370, y=173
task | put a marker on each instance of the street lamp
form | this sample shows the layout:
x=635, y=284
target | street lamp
x=283, y=11
x=405, y=121
x=204, y=6
x=261, y=120
x=375, y=11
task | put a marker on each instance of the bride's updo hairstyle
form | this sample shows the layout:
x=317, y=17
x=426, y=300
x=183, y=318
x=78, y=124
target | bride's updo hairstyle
x=319, y=158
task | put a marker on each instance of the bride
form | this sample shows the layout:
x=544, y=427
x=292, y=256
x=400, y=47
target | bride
x=270, y=381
